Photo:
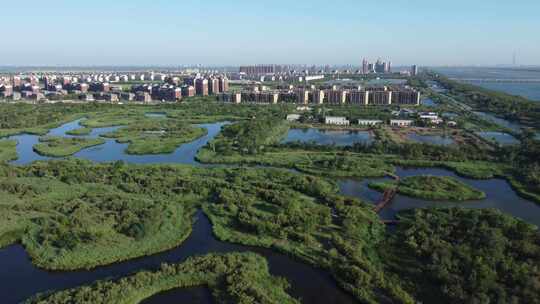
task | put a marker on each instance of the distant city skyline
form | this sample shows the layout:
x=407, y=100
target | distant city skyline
x=233, y=33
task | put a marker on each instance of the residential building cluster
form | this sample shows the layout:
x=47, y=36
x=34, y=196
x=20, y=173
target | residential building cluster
x=399, y=95
x=97, y=88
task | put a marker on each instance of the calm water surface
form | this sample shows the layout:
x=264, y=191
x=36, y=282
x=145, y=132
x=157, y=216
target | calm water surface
x=499, y=137
x=499, y=195
x=19, y=279
x=113, y=151
x=328, y=137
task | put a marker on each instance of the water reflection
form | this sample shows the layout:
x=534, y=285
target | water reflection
x=19, y=279
x=113, y=151
x=328, y=137
x=501, y=138
x=500, y=195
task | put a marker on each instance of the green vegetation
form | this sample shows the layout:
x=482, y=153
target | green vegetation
x=465, y=256
x=234, y=278
x=153, y=136
x=433, y=188
x=79, y=132
x=64, y=146
x=25, y=118
x=249, y=137
x=8, y=150
x=74, y=214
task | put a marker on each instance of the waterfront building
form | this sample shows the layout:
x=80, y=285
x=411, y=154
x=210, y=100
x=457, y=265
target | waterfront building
x=401, y=123
x=293, y=117
x=369, y=122
x=336, y=120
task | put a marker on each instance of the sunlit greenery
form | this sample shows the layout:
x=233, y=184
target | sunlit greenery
x=466, y=256
x=56, y=146
x=234, y=278
x=8, y=150
x=153, y=136
x=432, y=188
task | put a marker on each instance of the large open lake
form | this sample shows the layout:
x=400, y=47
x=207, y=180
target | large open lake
x=494, y=79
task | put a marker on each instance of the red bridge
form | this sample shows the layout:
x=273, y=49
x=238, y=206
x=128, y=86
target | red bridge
x=388, y=194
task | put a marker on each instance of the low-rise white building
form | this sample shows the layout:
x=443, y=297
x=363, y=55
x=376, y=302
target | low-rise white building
x=369, y=122
x=293, y=117
x=401, y=123
x=336, y=120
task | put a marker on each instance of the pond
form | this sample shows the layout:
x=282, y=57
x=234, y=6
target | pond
x=431, y=139
x=499, y=137
x=156, y=114
x=429, y=102
x=20, y=279
x=516, y=127
x=328, y=137
x=500, y=195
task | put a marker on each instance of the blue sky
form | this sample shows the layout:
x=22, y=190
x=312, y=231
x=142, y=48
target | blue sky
x=236, y=32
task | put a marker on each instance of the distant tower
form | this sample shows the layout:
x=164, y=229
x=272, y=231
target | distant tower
x=514, y=58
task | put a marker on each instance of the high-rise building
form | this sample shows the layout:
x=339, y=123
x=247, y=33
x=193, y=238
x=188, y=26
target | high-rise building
x=414, y=70
x=380, y=98
x=188, y=91
x=302, y=96
x=258, y=69
x=223, y=84
x=213, y=86
x=317, y=97
x=337, y=96
x=365, y=66
x=359, y=97
x=201, y=86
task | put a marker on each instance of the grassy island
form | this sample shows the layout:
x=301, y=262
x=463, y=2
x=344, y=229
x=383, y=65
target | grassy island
x=155, y=136
x=433, y=188
x=80, y=132
x=64, y=146
x=8, y=150
x=233, y=278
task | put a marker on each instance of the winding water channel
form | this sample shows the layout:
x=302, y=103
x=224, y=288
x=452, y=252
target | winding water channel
x=19, y=279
